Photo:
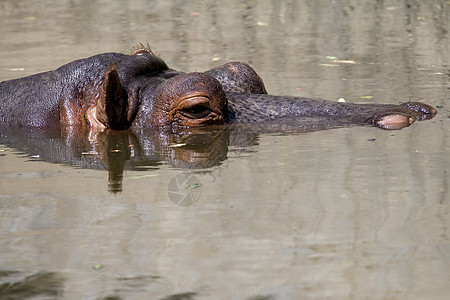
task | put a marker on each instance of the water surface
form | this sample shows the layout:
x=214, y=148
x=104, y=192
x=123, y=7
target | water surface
x=344, y=213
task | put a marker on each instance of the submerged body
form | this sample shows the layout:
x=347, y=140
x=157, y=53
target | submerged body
x=119, y=91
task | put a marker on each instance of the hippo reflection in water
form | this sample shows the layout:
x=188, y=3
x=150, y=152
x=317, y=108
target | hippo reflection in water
x=119, y=91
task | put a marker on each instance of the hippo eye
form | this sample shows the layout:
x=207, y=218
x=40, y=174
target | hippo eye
x=197, y=111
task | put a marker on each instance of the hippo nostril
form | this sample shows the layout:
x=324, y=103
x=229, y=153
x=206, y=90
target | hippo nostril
x=433, y=111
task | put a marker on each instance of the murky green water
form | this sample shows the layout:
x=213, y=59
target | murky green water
x=349, y=213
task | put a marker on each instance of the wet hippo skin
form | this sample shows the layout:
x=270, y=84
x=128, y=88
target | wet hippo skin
x=118, y=91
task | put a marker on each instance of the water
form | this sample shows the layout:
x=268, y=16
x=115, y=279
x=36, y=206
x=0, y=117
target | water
x=345, y=213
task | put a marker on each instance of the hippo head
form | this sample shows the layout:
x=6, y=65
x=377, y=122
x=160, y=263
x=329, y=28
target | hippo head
x=161, y=98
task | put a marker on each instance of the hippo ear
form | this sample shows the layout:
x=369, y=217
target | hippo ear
x=112, y=102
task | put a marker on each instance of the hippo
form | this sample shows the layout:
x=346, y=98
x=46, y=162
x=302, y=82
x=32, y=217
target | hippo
x=119, y=91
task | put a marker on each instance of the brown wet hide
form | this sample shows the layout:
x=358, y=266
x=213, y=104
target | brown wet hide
x=238, y=77
x=186, y=100
x=71, y=112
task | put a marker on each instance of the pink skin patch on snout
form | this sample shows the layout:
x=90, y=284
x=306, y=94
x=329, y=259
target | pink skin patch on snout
x=395, y=121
